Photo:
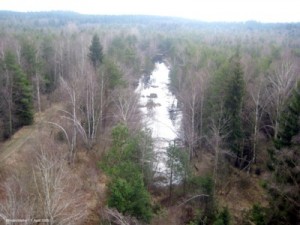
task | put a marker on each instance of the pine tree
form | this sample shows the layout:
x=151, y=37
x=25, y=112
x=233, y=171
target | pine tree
x=96, y=52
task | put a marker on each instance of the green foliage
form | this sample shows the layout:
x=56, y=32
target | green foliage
x=123, y=50
x=213, y=108
x=178, y=162
x=47, y=65
x=205, y=184
x=284, y=186
x=289, y=125
x=265, y=63
x=223, y=217
x=148, y=66
x=21, y=93
x=128, y=193
x=96, y=54
x=257, y=215
x=166, y=46
x=60, y=136
x=284, y=159
x=28, y=53
x=113, y=74
x=130, y=197
x=124, y=149
x=263, y=184
x=233, y=104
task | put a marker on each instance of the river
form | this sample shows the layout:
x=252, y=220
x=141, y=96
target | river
x=161, y=114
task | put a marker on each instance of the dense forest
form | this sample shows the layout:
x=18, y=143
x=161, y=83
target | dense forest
x=75, y=149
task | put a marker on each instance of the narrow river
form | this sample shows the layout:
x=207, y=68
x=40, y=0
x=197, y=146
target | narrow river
x=161, y=114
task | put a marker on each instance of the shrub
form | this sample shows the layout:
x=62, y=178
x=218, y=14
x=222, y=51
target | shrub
x=130, y=198
x=127, y=190
x=258, y=215
x=223, y=218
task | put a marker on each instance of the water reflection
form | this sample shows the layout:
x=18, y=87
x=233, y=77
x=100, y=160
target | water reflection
x=161, y=113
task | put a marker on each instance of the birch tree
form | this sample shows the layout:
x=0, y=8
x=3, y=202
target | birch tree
x=192, y=98
x=17, y=202
x=282, y=82
x=218, y=135
x=126, y=103
x=58, y=191
x=94, y=112
x=258, y=101
x=72, y=91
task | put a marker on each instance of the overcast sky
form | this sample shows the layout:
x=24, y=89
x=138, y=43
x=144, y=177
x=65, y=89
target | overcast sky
x=207, y=10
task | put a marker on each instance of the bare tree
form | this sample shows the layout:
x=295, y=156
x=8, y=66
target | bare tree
x=282, y=82
x=259, y=102
x=218, y=134
x=58, y=190
x=115, y=217
x=72, y=116
x=38, y=81
x=17, y=203
x=193, y=98
x=126, y=103
x=93, y=108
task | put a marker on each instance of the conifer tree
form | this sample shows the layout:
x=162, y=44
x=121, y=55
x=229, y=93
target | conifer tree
x=96, y=52
x=21, y=93
x=233, y=104
x=284, y=187
x=289, y=121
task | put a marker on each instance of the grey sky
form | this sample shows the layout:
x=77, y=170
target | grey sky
x=207, y=10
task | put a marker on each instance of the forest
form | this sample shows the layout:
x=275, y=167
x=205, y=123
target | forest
x=74, y=145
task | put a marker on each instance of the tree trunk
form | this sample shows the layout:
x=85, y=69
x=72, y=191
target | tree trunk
x=38, y=91
x=171, y=181
x=74, y=136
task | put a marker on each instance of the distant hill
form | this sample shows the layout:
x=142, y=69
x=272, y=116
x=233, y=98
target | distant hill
x=61, y=18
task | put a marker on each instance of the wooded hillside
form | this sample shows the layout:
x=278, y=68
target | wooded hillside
x=91, y=160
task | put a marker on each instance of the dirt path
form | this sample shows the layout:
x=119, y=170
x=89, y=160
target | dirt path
x=24, y=135
x=18, y=150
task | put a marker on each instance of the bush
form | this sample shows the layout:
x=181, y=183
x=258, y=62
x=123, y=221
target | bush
x=60, y=136
x=204, y=184
x=223, y=218
x=127, y=190
x=130, y=198
x=258, y=215
x=263, y=184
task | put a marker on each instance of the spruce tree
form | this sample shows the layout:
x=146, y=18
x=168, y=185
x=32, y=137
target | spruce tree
x=289, y=121
x=29, y=62
x=96, y=52
x=233, y=104
x=21, y=93
x=284, y=162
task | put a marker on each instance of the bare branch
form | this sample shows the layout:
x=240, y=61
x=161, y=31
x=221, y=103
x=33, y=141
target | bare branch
x=192, y=198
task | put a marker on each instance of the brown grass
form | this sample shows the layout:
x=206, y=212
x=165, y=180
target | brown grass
x=240, y=192
x=17, y=152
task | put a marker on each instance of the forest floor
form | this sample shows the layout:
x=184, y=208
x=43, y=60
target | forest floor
x=239, y=191
x=17, y=153
x=26, y=133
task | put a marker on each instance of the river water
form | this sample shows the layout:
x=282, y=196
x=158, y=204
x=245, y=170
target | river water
x=161, y=114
